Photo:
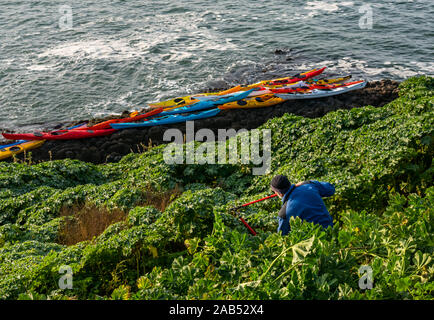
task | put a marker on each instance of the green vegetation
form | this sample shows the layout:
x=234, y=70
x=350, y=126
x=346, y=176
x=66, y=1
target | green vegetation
x=380, y=160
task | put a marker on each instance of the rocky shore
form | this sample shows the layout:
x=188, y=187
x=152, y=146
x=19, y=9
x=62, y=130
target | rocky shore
x=113, y=147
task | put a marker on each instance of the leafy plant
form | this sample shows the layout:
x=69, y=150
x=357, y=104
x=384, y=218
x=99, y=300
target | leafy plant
x=178, y=241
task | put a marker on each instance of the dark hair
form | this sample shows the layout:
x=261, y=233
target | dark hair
x=280, y=184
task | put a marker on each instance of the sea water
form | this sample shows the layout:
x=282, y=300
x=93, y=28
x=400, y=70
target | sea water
x=63, y=61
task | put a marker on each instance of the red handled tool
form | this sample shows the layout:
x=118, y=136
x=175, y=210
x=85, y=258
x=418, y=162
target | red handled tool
x=249, y=203
x=252, y=231
x=235, y=211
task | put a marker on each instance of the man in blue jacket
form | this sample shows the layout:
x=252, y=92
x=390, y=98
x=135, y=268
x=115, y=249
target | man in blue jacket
x=303, y=200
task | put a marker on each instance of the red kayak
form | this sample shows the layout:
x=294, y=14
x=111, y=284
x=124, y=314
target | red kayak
x=295, y=78
x=59, y=135
x=106, y=124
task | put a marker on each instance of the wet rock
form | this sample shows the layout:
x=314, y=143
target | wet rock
x=113, y=157
x=155, y=133
x=93, y=155
x=69, y=154
x=119, y=148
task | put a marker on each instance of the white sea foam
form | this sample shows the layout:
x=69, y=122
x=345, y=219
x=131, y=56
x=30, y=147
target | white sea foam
x=348, y=65
x=6, y=62
x=181, y=37
x=94, y=49
x=40, y=67
x=428, y=67
x=100, y=108
x=318, y=7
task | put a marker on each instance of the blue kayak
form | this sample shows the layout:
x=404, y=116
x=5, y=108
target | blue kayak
x=13, y=144
x=216, y=97
x=202, y=105
x=169, y=119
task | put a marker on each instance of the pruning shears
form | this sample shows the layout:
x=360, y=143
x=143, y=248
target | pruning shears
x=235, y=211
x=238, y=215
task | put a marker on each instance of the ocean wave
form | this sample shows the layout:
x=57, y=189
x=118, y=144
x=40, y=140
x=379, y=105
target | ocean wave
x=94, y=49
x=315, y=8
x=365, y=68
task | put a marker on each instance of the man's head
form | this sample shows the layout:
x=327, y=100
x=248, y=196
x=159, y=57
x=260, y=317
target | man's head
x=280, y=185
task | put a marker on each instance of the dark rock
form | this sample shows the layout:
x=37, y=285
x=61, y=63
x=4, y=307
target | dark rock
x=69, y=154
x=113, y=157
x=119, y=148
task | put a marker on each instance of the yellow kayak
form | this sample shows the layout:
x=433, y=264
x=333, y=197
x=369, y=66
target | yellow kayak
x=266, y=100
x=327, y=81
x=232, y=90
x=16, y=149
x=180, y=101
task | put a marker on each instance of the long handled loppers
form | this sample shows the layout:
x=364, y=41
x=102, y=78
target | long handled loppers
x=235, y=211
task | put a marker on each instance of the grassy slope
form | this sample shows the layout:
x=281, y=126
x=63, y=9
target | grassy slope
x=378, y=158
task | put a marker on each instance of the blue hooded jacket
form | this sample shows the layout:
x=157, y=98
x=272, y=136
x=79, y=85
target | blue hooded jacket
x=305, y=201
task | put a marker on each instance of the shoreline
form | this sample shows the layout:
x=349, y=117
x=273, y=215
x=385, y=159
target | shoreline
x=112, y=148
